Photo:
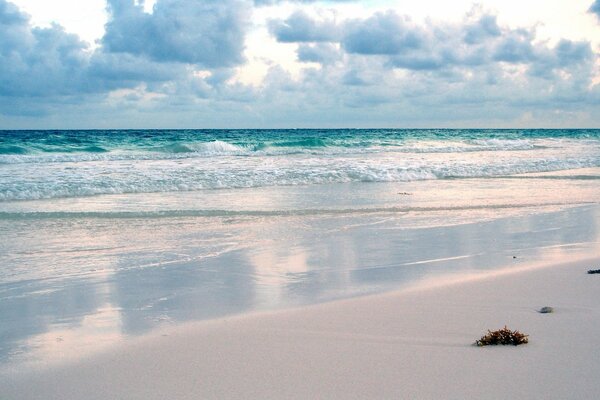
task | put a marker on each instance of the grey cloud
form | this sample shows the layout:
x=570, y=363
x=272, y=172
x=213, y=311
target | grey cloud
x=353, y=78
x=471, y=72
x=407, y=45
x=323, y=53
x=10, y=14
x=568, y=52
x=482, y=29
x=112, y=71
x=567, y=55
x=51, y=65
x=595, y=8
x=411, y=96
x=477, y=42
x=37, y=61
x=363, y=73
x=212, y=88
x=419, y=62
x=416, y=47
x=382, y=34
x=394, y=67
x=41, y=68
x=515, y=48
x=48, y=62
x=208, y=33
x=300, y=27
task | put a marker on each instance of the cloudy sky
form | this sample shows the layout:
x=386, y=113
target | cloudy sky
x=303, y=63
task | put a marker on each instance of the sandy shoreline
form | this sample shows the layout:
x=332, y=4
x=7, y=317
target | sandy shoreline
x=408, y=344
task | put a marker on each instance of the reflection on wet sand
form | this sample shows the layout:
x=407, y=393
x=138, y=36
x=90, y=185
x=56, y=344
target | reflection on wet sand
x=74, y=285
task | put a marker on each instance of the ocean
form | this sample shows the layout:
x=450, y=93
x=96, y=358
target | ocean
x=60, y=164
x=108, y=235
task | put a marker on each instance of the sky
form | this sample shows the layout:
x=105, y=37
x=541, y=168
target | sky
x=109, y=64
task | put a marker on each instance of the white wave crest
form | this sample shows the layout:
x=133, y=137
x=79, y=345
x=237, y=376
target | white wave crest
x=217, y=147
x=59, y=180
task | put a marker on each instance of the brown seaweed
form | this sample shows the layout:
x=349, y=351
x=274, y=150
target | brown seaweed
x=504, y=337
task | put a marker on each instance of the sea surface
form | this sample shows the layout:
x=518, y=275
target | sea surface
x=62, y=164
x=109, y=235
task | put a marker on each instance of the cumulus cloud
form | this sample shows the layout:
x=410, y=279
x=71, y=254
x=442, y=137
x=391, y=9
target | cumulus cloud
x=568, y=52
x=482, y=29
x=575, y=58
x=595, y=8
x=384, y=33
x=462, y=70
x=117, y=71
x=402, y=43
x=179, y=65
x=51, y=62
x=47, y=65
x=37, y=61
x=323, y=53
x=515, y=47
x=300, y=27
x=208, y=33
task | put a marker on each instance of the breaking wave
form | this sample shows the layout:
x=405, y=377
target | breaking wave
x=54, y=164
x=175, y=177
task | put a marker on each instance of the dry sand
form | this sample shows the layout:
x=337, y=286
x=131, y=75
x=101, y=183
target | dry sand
x=413, y=344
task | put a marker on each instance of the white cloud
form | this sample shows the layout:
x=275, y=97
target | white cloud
x=84, y=18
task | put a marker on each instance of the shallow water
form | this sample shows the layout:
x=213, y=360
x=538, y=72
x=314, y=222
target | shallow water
x=77, y=281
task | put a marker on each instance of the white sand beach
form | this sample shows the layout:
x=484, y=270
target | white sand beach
x=416, y=343
x=299, y=199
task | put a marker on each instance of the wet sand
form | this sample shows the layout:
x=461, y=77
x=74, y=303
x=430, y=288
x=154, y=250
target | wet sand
x=413, y=343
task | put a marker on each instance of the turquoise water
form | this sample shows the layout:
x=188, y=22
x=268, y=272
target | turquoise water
x=58, y=164
x=257, y=141
x=40, y=146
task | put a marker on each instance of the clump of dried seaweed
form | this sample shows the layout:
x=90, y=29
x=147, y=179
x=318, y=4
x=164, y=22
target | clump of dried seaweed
x=594, y=271
x=503, y=336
